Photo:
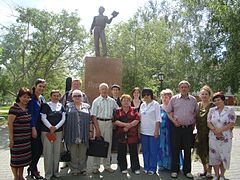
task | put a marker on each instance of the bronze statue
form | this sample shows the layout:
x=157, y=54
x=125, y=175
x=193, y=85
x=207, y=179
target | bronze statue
x=99, y=24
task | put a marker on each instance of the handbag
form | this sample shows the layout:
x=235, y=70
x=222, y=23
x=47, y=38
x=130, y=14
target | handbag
x=65, y=155
x=98, y=147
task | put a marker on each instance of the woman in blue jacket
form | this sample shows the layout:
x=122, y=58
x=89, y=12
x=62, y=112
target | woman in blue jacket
x=34, y=107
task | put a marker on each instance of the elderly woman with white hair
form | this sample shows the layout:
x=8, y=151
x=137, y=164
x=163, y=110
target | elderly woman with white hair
x=76, y=132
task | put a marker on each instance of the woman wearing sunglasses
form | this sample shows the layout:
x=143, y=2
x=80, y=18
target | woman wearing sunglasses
x=150, y=125
x=77, y=130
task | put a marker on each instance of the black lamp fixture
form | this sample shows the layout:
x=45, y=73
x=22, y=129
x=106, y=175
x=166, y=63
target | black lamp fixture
x=161, y=78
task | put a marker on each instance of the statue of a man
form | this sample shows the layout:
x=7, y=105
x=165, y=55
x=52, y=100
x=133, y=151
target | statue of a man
x=99, y=24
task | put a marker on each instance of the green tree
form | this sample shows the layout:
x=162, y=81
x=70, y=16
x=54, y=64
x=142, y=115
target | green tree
x=215, y=30
x=151, y=42
x=41, y=44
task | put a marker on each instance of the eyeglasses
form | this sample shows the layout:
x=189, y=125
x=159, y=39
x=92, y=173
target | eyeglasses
x=146, y=95
x=77, y=96
x=217, y=100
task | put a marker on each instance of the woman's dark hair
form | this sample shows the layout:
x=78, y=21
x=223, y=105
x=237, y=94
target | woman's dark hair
x=136, y=89
x=22, y=91
x=147, y=91
x=55, y=91
x=38, y=81
x=218, y=95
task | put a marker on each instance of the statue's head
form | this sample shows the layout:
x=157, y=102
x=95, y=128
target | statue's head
x=101, y=10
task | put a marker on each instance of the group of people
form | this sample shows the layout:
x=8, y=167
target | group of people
x=164, y=131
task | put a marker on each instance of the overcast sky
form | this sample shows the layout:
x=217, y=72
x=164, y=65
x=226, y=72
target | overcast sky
x=86, y=8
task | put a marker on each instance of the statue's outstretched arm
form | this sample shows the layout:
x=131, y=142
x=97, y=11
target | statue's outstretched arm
x=109, y=20
x=114, y=14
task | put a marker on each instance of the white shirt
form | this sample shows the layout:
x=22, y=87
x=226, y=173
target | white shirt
x=54, y=107
x=149, y=114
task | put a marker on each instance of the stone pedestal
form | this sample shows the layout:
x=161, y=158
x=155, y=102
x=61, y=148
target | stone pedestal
x=99, y=70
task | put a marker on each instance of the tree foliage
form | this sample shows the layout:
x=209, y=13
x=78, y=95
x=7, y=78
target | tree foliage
x=214, y=26
x=41, y=44
x=193, y=40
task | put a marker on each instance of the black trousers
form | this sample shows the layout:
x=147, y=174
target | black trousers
x=122, y=159
x=37, y=149
x=181, y=139
x=114, y=141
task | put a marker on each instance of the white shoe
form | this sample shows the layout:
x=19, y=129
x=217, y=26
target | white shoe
x=137, y=172
x=221, y=178
x=189, y=175
x=151, y=173
x=145, y=171
x=125, y=171
x=174, y=175
x=215, y=178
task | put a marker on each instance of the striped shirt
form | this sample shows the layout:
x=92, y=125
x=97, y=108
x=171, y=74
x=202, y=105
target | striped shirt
x=103, y=107
x=21, y=151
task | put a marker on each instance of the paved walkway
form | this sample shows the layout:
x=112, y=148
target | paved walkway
x=5, y=172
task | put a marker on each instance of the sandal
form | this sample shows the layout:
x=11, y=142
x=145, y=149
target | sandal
x=203, y=174
x=209, y=176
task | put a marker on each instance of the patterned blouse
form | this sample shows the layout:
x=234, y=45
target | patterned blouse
x=131, y=136
x=221, y=119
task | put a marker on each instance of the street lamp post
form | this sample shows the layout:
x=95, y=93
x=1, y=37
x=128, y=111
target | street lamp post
x=161, y=78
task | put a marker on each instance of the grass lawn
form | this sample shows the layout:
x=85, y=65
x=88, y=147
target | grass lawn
x=3, y=118
x=4, y=107
x=3, y=114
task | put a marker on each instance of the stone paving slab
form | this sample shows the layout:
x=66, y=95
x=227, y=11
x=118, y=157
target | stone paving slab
x=233, y=173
